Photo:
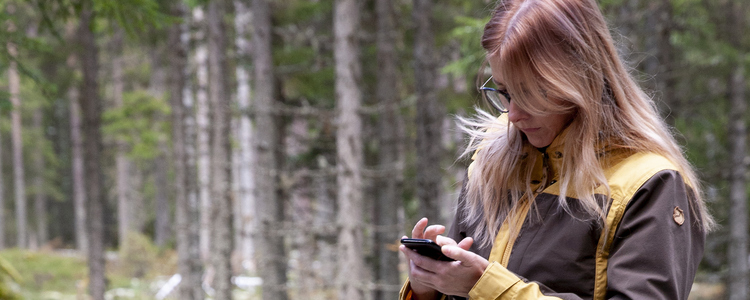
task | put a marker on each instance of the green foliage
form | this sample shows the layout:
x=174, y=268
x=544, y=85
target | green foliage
x=466, y=33
x=134, y=15
x=140, y=123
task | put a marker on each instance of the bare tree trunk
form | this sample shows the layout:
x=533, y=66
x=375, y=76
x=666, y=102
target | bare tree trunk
x=660, y=62
x=76, y=157
x=738, y=219
x=221, y=213
x=19, y=186
x=429, y=115
x=91, y=105
x=348, y=149
x=159, y=80
x=2, y=198
x=122, y=163
x=40, y=197
x=187, y=205
x=202, y=118
x=271, y=253
x=390, y=160
x=161, y=198
x=246, y=153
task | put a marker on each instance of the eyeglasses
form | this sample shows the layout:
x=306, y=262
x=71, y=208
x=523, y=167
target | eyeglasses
x=498, y=99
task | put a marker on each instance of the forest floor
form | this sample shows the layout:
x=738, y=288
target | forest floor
x=61, y=275
x=140, y=273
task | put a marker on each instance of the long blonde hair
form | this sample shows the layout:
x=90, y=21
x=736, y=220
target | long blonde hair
x=561, y=49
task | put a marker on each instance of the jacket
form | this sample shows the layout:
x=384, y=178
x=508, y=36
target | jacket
x=652, y=251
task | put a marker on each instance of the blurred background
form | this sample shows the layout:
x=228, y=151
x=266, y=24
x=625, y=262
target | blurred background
x=257, y=149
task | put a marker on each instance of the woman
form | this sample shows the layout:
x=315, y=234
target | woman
x=580, y=192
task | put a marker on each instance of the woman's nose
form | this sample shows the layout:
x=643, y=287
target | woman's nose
x=516, y=114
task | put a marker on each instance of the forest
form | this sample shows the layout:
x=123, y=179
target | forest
x=259, y=149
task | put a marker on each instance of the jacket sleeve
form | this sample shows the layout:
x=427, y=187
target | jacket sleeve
x=654, y=255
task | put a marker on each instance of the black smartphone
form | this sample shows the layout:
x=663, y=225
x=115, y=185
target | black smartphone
x=426, y=247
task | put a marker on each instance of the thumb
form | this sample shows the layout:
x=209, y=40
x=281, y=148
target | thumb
x=458, y=253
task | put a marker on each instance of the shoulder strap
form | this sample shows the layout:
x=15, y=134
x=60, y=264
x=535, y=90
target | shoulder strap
x=624, y=178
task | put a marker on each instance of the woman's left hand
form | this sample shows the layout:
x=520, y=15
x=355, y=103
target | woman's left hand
x=450, y=278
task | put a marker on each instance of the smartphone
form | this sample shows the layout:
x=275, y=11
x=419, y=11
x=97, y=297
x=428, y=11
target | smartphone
x=426, y=247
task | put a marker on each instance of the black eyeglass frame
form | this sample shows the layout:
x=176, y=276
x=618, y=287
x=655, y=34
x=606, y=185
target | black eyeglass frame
x=493, y=99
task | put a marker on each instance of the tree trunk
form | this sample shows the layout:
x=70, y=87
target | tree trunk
x=122, y=163
x=660, y=62
x=738, y=219
x=429, y=115
x=76, y=162
x=187, y=208
x=348, y=149
x=202, y=111
x=389, y=160
x=221, y=213
x=40, y=197
x=2, y=198
x=161, y=198
x=271, y=253
x=91, y=105
x=246, y=153
x=19, y=185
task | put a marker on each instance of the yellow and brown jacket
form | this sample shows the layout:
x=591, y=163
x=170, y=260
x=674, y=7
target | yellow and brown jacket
x=651, y=251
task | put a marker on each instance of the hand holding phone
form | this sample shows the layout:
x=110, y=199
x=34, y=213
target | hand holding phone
x=426, y=247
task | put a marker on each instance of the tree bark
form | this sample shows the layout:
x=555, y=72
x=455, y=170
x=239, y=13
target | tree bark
x=187, y=206
x=76, y=162
x=429, y=115
x=2, y=198
x=161, y=198
x=389, y=159
x=660, y=62
x=92, y=110
x=19, y=185
x=246, y=153
x=738, y=219
x=348, y=149
x=40, y=197
x=122, y=163
x=271, y=253
x=203, y=112
x=221, y=213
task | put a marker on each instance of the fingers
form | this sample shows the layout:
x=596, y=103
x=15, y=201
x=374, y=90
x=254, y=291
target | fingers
x=466, y=243
x=422, y=231
x=418, y=231
x=443, y=240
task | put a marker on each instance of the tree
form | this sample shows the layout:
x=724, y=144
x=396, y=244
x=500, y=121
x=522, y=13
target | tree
x=244, y=135
x=40, y=198
x=429, y=114
x=77, y=168
x=202, y=111
x=92, y=147
x=270, y=249
x=390, y=160
x=187, y=208
x=19, y=185
x=348, y=149
x=2, y=198
x=122, y=162
x=738, y=219
x=221, y=208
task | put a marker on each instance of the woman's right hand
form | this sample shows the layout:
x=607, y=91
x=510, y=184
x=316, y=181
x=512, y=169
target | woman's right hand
x=421, y=290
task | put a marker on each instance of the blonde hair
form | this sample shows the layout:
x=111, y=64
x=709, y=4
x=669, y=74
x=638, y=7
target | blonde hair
x=561, y=49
